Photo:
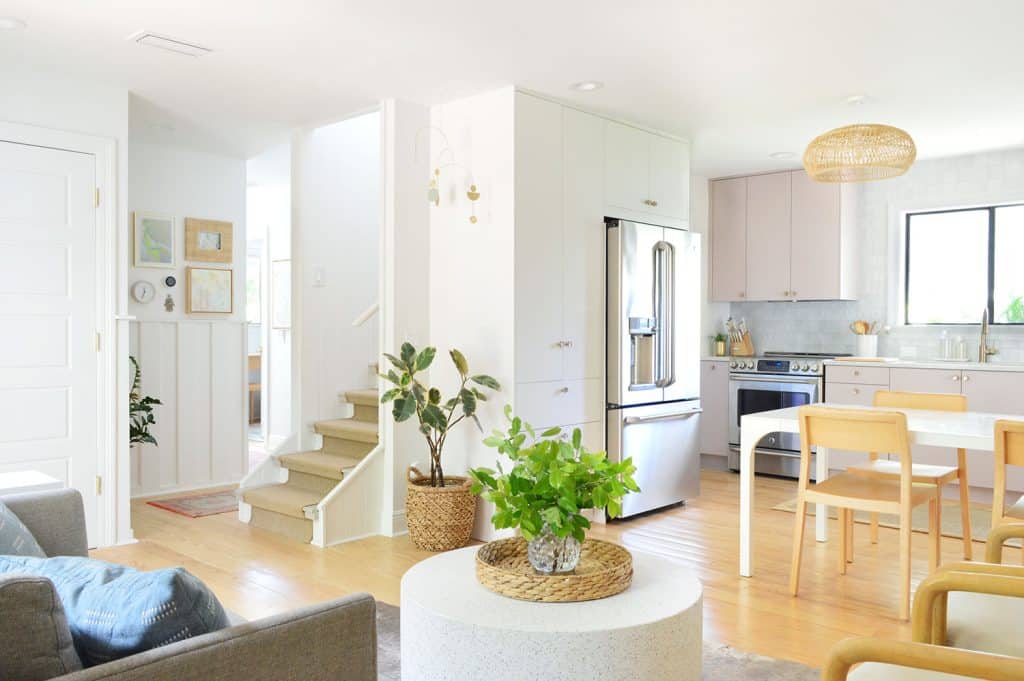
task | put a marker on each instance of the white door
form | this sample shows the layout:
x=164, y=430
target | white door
x=48, y=300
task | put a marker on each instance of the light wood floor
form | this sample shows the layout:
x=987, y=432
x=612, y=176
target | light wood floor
x=257, y=573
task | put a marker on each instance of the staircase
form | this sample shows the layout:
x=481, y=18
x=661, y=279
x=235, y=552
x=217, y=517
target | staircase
x=289, y=507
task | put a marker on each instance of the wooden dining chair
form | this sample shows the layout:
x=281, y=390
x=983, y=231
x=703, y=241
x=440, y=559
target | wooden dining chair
x=940, y=476
x=1009, y=452
x=862, y=431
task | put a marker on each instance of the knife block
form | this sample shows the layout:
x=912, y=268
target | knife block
x=743, y=347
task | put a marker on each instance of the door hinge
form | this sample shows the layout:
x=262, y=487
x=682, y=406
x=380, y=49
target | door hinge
x=99, y=341
x=97, y=197
x=99, y=485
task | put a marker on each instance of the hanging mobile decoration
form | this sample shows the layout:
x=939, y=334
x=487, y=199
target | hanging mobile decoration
x=473, y=195
x=446, y=154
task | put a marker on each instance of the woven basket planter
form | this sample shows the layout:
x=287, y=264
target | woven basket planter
x=439, y=518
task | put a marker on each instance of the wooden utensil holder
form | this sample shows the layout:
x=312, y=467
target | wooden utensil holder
x=743, y=347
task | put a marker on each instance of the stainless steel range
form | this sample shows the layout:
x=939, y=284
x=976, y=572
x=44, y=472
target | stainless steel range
x=774, y=380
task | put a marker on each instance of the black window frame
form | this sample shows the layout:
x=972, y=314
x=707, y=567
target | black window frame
x=991, y=210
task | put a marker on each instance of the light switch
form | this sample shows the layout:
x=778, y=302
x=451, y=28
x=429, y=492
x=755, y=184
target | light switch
x=319, y=276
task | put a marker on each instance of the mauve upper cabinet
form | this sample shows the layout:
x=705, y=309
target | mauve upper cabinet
x=782, y=236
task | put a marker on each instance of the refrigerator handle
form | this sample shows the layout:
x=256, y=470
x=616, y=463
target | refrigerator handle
x=664, y=305
x=632, y=420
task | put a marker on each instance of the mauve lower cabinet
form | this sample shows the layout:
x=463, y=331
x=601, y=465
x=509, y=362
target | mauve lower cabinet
x=1000, y=392
x=714, y=400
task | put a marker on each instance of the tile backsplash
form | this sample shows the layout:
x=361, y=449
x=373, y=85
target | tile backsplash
x=823, y=326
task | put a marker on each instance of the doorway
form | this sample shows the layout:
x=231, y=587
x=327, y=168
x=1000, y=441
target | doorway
x=51, y=267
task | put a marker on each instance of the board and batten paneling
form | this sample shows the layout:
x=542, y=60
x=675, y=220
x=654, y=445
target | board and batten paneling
x=197, y=369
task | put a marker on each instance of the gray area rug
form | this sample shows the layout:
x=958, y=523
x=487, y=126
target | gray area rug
x=721, y=663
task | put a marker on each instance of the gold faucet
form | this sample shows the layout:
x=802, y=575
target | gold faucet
x=984, y=349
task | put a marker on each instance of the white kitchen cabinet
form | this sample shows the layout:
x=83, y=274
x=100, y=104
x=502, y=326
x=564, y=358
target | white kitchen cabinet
x=798, y=239
x=714, y=400
x=768, y=236
x=646, y=174
x=539, y=192
x=729, y=239
x=583, y=237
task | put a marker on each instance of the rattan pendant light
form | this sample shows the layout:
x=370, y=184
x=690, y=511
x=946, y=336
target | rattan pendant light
x=860, y=153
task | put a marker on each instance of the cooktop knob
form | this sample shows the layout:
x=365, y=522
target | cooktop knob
x=803, y=367
x=750, y=365
x=814, y=367
x=732, y=365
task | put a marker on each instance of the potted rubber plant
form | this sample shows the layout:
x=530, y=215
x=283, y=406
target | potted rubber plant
x=552, y=480
x=439, y=508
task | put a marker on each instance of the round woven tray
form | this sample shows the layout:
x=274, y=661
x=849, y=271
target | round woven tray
x=604, y=570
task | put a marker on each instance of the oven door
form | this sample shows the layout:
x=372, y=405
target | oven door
x=750, y=394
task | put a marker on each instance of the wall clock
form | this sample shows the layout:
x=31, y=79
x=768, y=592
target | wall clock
x=143, y=291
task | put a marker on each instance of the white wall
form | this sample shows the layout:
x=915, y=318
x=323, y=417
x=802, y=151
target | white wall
x=193, y=363
x=335, y=231
x=405, y=266
x=269, y=210
x=712, y=314
x=991, y=177
x=473, y=297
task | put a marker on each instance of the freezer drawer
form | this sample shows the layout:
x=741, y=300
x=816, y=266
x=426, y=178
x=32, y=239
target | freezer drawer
x=664, y=443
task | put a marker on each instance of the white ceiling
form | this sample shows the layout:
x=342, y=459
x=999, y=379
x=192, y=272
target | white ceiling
x=741, y=78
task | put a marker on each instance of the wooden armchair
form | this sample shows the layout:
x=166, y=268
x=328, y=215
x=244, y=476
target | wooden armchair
x=976, y=607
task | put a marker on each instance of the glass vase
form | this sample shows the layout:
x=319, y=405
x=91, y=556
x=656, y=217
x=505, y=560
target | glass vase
x=550, y=554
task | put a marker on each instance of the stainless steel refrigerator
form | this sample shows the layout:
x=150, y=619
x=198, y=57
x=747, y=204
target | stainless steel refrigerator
x=653, y=355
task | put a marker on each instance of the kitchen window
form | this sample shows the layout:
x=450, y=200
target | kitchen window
x=960, y=262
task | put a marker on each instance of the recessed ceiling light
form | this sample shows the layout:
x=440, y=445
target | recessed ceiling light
x=587, y=85
x=11, y=24
x=779, y=155
x=857, y=100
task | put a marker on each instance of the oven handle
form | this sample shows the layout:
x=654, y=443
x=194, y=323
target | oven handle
x=633, y=420
x=754, y=378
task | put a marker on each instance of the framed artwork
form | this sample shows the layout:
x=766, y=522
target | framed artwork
x=208, y=240
x=281, y=292
x=153, y=240
x=209, y=290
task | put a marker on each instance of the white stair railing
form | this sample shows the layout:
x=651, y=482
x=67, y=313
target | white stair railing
x=352, y=510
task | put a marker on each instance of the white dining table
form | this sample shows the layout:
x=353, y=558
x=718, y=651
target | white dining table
x=969, y=430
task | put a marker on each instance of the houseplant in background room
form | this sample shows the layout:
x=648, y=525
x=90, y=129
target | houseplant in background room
x=439, y=509
x=140, y=410
x=551, y=482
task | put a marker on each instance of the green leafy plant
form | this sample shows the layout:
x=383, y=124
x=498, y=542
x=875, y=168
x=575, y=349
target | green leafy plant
x=1014, y=312
x=140, y=410
x=720, y=338
x=436, y=416
x=552, y=480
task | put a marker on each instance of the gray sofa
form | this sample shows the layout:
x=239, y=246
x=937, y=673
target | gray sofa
x=327, y=642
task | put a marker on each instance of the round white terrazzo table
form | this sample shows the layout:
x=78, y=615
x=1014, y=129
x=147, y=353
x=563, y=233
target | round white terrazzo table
x=453, y=628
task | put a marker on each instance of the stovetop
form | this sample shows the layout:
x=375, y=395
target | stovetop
x=784, y=363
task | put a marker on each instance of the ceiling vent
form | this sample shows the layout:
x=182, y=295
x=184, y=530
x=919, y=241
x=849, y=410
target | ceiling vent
x=163, y=42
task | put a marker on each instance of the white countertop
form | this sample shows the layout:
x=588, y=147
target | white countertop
x=931, y=364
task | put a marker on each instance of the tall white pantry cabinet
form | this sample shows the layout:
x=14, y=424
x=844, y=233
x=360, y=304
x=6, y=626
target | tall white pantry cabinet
x=571, y=170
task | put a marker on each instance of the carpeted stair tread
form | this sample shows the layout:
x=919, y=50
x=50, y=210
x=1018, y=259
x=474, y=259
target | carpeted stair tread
x=348, y=429
x=318, y=463
x=284, y=499
x=367, y=397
